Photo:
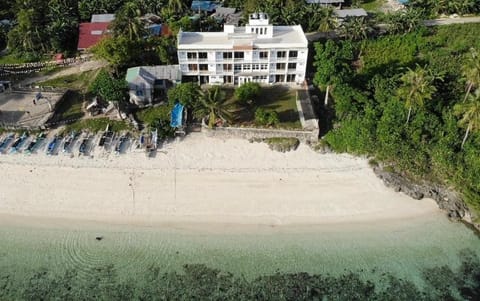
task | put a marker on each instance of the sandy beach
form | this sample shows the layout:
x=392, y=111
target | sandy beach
x=203, y=180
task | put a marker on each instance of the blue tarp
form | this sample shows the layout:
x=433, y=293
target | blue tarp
x=177, y=116
x=207, y=6
x=155, y=29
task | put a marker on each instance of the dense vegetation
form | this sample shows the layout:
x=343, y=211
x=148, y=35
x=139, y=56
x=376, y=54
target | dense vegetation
x=433, y=8
x=198, y=282
x=402, y=99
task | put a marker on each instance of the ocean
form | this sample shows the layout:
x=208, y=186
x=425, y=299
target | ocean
x=404, y=249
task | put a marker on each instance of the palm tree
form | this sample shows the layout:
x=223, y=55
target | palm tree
x=176, y=5
x=128, y=23
x=328, y=21
x=416, y=87
x=213, y=102
x=471, y=70
x=470, y=112
x=355, y=28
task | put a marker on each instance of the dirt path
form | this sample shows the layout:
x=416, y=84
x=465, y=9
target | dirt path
x=79, y=68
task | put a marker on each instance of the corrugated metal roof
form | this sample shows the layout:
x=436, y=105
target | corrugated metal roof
x=151, y=73
x=101, y=18
x=203, y=5
x=325, y=1
x=90, y=34
x=354, y=12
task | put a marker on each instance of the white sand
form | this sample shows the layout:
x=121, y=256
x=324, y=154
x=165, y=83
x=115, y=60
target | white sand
x=203, y=179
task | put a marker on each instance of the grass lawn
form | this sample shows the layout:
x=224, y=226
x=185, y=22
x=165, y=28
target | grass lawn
x=372, y=5
x=98, y=124
x=149, y=115
x=70, y=108
x=275, y=98
x=79, y=81
x=13, y=59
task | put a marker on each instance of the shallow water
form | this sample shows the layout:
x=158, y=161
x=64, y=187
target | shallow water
x=404, y=249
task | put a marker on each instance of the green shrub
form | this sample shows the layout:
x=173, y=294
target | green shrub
x=263, y=117
x=247, y=92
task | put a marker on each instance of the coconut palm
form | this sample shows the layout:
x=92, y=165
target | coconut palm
x=213, y=102
x=471, y=70
x=328, y=21
x=127, y=22
x=416, y=87
x=355, y=28
x=176, y=5
x=470, y=114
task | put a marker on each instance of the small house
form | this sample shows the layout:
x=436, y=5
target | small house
x=149, y=84
x=90, y=33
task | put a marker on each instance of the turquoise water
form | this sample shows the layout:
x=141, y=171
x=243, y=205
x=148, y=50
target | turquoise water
x=403, y=249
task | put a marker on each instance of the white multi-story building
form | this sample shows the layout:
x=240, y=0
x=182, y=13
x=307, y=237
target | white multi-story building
x=258, y=52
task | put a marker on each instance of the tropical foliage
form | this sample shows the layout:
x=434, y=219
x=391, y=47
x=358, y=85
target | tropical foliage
x=376, y=83
x=213, y=103
x=247, y=92
x=436, y=7
x=109, y=88
x=185, y=93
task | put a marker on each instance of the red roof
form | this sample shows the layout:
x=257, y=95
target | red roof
x=91, y=33
x=166, y=30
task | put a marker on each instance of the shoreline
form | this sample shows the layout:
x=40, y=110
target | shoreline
x=204, y=180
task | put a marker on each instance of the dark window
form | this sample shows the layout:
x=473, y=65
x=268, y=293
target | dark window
x=281, y=54
x=292, y=53
x=263, y=54
x=203, y=67
x=290, y=78
x=192, y=67
x=202, y=55
x=292, y=65
x=227, y=55
x=239, y=55
x=191, y=55
x=227, y=67
x=280, y=66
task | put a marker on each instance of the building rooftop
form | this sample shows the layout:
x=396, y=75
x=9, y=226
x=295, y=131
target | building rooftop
x=325, y=1
x=90, y=33
x=151, y=73
x=207, y=6
x=101, y=18
x=354, y=12
x=284, y=36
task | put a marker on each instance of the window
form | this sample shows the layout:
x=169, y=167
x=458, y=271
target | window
x=292, y=53
x=202, y=55
x=227, y=67
x=281, y=54
x=290, y=78
x=227, y=55
x=139, y=93
x=292, y=65
x=227, y=79
x=239, y=55
x=203, y=67
x=192, y=55
x=256, y=67
x=263, y=66
x=237, y=67
x=263, y=54
x=247, y=67
x=279, y=78
x=192, y=67
x=280, y=66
